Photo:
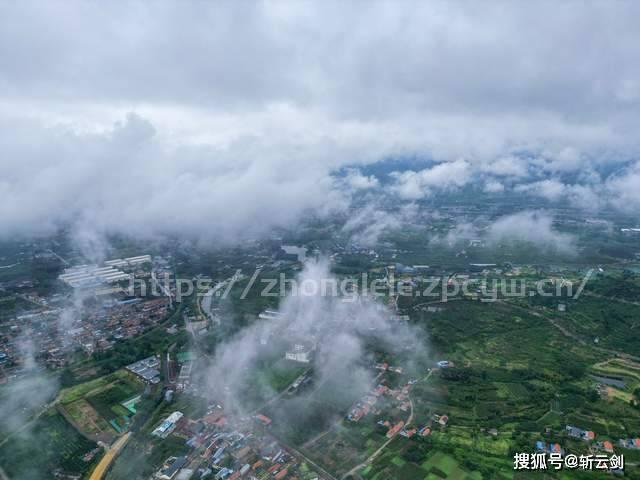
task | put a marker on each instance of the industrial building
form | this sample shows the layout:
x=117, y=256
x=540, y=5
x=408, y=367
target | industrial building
x=90, y=276
x=168, y=425
x=147, y=369
x=87, y=276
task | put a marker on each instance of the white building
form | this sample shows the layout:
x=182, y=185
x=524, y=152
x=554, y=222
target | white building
x=168, y=425
x=300, y=352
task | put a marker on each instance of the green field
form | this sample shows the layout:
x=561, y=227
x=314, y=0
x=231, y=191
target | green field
x=514, y=372
x=96, y=406
x=48, y=445
x=81, y=390
x=396, y=464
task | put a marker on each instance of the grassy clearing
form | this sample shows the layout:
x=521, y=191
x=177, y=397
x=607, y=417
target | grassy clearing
x=95, y=404
x=94, y=386
x=86, y=417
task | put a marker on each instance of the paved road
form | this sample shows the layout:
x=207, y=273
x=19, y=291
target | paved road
x=105, y=463
x=207, y=299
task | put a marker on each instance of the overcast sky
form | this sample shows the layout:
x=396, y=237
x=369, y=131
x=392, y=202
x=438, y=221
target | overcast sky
x=228, y=118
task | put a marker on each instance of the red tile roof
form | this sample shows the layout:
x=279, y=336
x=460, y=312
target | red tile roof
x=281, y=474
x=264, y=419
x=395, y=429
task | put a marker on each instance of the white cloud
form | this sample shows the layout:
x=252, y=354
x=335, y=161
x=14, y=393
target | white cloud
x=509, y=166
x=314, y=313
x=126, y=181
x=366, y=226
x=493, y=186
x=241, y=124
x=444, y=176
x=549, y=189
x=623, y=190
x=535, y=227
x=355, y=180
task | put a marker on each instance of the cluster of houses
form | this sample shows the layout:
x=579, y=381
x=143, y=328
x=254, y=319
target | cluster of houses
x=394, y=429
x=399, y=398
x=92, y=331
x=368, y=403
x=407, y=431
x=587, y=436
x=221, y=449
x=631, y=443
x=101, y=328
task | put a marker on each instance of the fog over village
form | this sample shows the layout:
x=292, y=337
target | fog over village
x=301, y=240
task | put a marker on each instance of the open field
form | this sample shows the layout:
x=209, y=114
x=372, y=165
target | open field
x=396, y=463
x=92, y=387
x=96, y=406
x=86, y=416
x=50, y=444
x=514, y=373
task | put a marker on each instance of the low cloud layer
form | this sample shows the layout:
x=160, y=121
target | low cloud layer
x=124, y=181
x=445, y=176
x=531, y=227
x=336, y=326
x=366, y=226
x=25, y=396
x=224, y=120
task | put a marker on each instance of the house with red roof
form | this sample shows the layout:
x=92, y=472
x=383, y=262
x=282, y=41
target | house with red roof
x=408, y=433
x=281, y=474
x=555, y=448
x=395, y=429
x=263, y=419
